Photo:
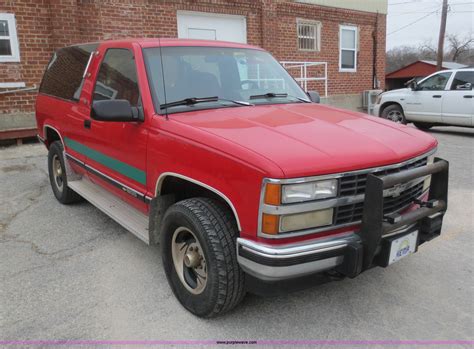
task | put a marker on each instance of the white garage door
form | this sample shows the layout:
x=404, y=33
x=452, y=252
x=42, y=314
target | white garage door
x=209, y=26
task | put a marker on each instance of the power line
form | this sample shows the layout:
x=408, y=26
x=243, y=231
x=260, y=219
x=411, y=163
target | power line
x=400, y=3
x=427, y=9
x=416, y=21
x=409, y=13
x=461, y=3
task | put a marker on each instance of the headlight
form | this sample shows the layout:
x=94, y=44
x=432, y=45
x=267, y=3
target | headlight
x=292, y=193
x=379, y=99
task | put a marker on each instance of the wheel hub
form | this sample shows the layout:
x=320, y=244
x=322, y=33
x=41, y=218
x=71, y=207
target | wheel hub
x=192, y=259
x=57, y=172
x=395, y=116
x=189, y=260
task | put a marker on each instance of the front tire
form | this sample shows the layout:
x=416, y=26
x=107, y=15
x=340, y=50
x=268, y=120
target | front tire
x=199, y=256
x=423, y=125
x=58, y=177
x=394, y=113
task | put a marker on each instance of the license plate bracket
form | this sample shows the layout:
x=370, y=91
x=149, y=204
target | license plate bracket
x=397, y=247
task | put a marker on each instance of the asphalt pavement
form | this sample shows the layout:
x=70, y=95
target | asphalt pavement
x=70, y=272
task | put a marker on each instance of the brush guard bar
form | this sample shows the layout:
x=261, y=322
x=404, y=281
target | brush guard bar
x=428, y=216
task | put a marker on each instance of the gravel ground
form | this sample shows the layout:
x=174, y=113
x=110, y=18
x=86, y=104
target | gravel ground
x=70, y=272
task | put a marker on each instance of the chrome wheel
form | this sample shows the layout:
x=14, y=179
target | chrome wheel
x=58, y=172
x=189, y=261
x=395, y=116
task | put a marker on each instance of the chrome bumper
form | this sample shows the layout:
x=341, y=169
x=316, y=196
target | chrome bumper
x=357, y=251
x=273, y=263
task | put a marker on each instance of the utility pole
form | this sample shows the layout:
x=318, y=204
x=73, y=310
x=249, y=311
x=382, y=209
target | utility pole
x=442, y=32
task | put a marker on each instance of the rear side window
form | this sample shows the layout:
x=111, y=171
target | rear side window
x=463, y=80
x=117, y=77
x=63, y=76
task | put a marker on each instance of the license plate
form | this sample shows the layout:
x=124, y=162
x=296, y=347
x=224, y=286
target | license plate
x=403, y=246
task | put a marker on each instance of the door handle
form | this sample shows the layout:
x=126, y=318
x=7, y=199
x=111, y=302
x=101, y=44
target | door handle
x=436, y=96
x=87, y=123
x=468, y=96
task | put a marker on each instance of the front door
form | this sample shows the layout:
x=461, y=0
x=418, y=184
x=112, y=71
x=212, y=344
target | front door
x=425, y=103
x=458, y=103
x=116, y=151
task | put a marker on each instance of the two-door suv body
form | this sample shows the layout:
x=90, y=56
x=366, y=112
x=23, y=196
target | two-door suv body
x=214, y=151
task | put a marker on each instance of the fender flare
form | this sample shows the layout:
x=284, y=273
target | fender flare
x=164, y=175
x=46, y=126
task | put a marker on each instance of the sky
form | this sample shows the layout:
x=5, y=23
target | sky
x=402, y=13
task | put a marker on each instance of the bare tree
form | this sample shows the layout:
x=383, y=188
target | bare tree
x=459, y=47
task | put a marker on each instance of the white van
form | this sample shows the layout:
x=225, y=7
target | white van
x=443, y=98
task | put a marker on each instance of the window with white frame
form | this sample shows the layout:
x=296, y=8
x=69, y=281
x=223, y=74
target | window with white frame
x=9, y=51
x=348, y=48
x=308, y=35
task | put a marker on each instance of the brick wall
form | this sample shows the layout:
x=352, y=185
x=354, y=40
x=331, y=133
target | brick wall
x=44, y=25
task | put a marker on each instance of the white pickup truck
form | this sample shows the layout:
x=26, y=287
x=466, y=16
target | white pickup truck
x=443, y=98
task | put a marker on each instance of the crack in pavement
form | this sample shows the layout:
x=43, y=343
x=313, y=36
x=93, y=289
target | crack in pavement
x=33, y=199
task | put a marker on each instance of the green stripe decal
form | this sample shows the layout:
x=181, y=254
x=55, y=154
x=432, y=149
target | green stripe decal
x=114, y=164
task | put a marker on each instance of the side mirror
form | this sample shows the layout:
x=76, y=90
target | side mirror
x=114, y=110
x=412, y=84
x=466, y=86
x=314, y=96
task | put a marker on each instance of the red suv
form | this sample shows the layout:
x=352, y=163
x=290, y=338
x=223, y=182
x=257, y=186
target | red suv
x=214, y=151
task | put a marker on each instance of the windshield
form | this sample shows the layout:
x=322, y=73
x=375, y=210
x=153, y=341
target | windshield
x=231, y=74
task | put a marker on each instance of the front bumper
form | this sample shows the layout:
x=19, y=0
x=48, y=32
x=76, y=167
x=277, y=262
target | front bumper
x=375, y=110
x=352, y=253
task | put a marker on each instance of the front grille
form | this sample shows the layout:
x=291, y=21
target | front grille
x=355, y=185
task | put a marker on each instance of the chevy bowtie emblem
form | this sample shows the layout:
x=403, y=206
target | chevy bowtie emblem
x=396, y=190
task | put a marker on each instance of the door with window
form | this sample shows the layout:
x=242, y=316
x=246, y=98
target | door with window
x=117, y=150
x=458, y=103
x=425, y=103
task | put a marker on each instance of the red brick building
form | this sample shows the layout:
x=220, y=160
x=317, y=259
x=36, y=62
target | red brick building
x=346, y=38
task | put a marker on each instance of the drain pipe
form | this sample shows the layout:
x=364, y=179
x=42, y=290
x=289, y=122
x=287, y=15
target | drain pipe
x=374, y=54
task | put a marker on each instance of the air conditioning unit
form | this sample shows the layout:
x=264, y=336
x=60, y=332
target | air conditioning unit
x=369, y=97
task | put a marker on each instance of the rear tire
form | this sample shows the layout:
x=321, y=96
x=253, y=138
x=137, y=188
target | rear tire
x=394, y=113
x=198, y=245
x=58, y=176
x=423, y=125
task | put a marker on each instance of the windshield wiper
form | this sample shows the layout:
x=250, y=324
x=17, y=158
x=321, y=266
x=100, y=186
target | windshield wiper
x=197, y=100
x=278, y=95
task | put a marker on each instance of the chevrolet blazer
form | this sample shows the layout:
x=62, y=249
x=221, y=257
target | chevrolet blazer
x=214, y=151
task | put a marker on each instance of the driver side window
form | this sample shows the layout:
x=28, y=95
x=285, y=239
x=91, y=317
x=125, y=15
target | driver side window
x=435, y=83
x=117, y=77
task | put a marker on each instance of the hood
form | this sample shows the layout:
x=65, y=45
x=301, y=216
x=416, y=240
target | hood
x=399, y=90
x=311, y=139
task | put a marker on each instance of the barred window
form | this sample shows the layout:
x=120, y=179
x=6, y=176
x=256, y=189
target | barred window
x=308, y=35
x=9, y=51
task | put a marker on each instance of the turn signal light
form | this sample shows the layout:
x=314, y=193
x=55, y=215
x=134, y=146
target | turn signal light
x=272, y=194
x=270, y=224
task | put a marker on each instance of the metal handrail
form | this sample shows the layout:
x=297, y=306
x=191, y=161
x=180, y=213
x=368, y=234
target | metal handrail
x=303, y=79
x=23, y=89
